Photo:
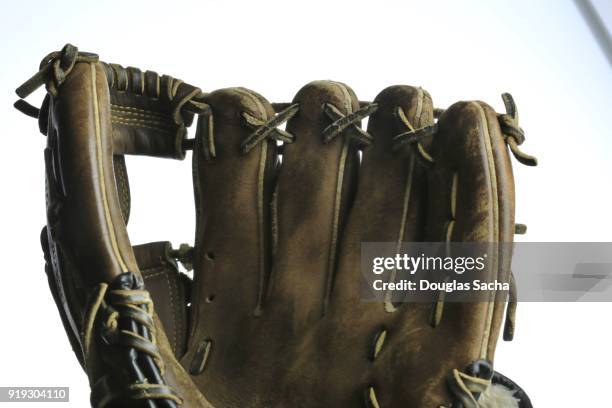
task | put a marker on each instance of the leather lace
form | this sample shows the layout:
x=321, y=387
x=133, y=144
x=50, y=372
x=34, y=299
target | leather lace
x=512, y=133
x=413, y=137
x=268, y=129
x=349, y=123
x=121, y=325
x=53, y=71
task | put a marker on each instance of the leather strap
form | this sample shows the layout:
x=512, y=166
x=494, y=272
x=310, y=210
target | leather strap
x=169, y=290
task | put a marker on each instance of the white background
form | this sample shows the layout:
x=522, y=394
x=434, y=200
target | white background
x=541, y=51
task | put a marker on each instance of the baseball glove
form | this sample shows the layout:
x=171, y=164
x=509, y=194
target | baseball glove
x=273, y=316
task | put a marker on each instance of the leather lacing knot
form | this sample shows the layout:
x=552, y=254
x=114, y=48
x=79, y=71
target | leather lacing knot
x=513, y=134
x=268, y=129
x=120, y=326
x=414, y=137
x=349, y=122
x=53, y=70
x=466, y=386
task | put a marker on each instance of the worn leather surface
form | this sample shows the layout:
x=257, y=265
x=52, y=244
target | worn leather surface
x=86, y=235
x=83, y=174
x=310, y=343
x=470, y=144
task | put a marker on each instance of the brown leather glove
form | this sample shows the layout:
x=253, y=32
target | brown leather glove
x=273, y=317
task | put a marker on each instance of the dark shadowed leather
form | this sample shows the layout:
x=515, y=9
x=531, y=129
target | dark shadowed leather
x=146, y=112
x=87, y=240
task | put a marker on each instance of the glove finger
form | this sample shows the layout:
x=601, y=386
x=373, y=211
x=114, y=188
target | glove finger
x=232, y=190
x=470, y=199
x=472, y=195
x=390, y=201
x=315, y=189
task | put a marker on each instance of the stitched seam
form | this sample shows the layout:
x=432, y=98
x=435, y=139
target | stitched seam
x=162, y=272
x=119, y=112
x=107, y=215
x=137, y=110
x=141, y=125
x=175, y=310
x=150, y=121
x=142, y=118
